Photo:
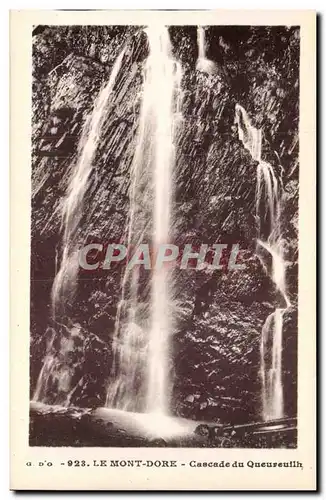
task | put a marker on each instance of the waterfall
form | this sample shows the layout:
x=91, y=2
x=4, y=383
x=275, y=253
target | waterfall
x=201, y=42
x=45, y=373
x=268, y=208
x=203, y=64
x=162, y=68
x=65, y=281
x=140, y=375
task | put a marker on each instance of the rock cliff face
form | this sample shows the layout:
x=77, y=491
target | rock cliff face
x=215, y=354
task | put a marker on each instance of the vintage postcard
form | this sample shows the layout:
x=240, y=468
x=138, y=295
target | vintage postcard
x=163, y=187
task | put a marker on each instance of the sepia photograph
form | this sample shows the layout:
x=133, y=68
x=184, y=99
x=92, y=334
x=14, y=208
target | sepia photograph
x=163, y=249
x=159, y=155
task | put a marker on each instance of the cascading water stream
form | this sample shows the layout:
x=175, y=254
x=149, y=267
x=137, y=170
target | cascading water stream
x=201, y=42
x=203, y=64
x=161, y=314
x=268, y=196
x=141, y=338
x=65, y=281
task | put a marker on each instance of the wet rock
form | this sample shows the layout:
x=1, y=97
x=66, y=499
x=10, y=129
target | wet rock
x=102, y=325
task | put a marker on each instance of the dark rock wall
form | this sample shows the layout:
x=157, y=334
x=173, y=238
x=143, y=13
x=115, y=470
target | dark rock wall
x=215, y=348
